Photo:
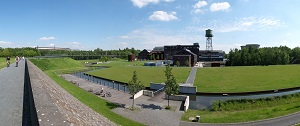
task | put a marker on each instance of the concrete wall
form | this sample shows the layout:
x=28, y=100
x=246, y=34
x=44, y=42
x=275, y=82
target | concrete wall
x=156, y=86
x=148, y=93
x=184, y=98
x=188, y=89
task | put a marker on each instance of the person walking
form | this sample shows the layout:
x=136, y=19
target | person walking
x=8, y=61
x=17, y=60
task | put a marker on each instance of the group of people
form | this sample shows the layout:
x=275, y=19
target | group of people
x=17, y=60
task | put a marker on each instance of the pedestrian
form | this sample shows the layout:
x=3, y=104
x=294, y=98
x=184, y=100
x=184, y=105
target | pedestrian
x=17, y=60
x=8, y=61
x=23, y=58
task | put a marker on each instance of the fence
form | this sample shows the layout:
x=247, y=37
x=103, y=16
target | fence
x=113, y=84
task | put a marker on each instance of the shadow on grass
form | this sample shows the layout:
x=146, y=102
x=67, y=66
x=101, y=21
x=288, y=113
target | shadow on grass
x=151, y=106
x=111, y=105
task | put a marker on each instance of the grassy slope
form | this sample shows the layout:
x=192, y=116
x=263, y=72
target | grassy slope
x=243, y=79
x=99, y=105
x=2, y=62
x=122, y=71
x=248, y=111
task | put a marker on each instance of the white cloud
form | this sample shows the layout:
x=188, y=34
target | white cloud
x=148, y=38
x=142, y=3
x=200, y=4
x=240, y=24
x=46, y=38
x=4, y=43
x=163, y=16
x=124, y=37
x=198, y=11
x=122, y=44
x=219, y=6
x=51, y=44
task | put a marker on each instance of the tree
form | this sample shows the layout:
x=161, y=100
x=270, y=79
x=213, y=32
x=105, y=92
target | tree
x=134, y=86
x=178, y=63
x=187, y=63
x=171, y=85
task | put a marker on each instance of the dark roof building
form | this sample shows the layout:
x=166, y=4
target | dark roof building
x=144, y=55
x=170, y=51
x=157, y=53
x=215, y=55
x=185, y=57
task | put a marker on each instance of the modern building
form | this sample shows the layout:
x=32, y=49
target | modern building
x=256, y=46
x=171, y=50
x=185, y=57
x=215, y=55
x=52, y=48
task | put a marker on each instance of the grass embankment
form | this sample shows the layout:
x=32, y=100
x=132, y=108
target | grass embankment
x=2, y=62
x=103, y=107
x=247, y=79
x=122, y=71
x=233, y=111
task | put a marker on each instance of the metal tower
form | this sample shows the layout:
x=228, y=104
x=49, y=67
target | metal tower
x=209, y=35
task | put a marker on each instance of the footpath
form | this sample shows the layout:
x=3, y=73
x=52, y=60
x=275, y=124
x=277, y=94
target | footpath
x=11, y=94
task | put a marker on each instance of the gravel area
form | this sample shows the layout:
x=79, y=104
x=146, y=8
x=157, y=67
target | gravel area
x=55, y=106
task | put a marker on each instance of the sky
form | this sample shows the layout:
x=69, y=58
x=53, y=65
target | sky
x=145, y=24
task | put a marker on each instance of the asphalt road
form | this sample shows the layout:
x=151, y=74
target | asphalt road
x=11, y=94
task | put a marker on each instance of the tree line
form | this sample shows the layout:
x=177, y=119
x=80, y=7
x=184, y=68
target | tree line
x=75, y=54
x=263, y=56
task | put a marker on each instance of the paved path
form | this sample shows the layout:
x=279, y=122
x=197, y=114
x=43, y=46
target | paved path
x=11, y=94
x=191, y=78
x=288, y=120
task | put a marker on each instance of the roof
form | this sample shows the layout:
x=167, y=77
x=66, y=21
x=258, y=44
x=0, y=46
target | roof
x=158, y=49
x=187, y=50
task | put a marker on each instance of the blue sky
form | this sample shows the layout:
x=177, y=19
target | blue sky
x=114, y=24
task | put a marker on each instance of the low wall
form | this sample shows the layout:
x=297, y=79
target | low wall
x=148, y=93
x=188, y=89
x=156, y=86
x=184, y=98
x=182, y=89
x=140, y=93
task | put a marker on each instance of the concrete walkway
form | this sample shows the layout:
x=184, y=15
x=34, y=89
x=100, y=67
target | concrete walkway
x=190, y=80
x=11, y=94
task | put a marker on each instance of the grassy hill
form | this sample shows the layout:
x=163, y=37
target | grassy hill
x=247, y=78
x=123, y=70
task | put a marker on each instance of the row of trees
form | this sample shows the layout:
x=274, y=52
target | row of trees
x=263, y=56
x=75, y=54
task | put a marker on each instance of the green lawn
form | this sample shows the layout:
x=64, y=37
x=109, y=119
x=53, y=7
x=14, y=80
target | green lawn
x=251, y=110
x=103, y=107
x=122, y=71
x=247, y=79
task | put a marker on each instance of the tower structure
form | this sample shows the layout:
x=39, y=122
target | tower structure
x=209, y=35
